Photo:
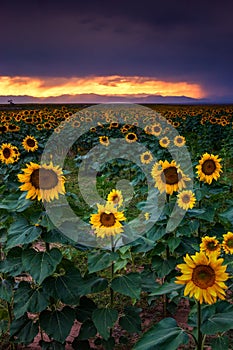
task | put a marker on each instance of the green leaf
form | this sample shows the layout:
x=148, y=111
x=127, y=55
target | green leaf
x=28, y=299
x=219, y=322
x=129, y=284
x=87, y=330
x=85, y=309
x=227, y=216
x=165, y=288
x=98, y=261
x=220, y=343
x=163, y=266
x=20, y=232
x=57, y=324
x=206, y=214
x=93, y=284
x=65, y=286
x=24, y=330
x=173, y=243
x=6, y=290
x=165, y=335
x=131, y=320
x=104, y=320
x=41, y=264
x=15, y=203
x=13, y=262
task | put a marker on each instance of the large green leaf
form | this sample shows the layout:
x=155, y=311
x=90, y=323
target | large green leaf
x=24, y=330
x=41, y=264
x=87, y=330
x=165, y=288
x=65, y=285
x=13, y=262
x=131, y=320
x=165, y=335
x=129, y=284
x=85, y=309
x=57, y=324
x=219, y=322
x=6, y=290
x=163, y=266
x=29, y=299
x=20, y=232
x=104, y=320
x=227, y=216
x=93, y=284
x=15, y=202
x=98, y=261
x=220, y=343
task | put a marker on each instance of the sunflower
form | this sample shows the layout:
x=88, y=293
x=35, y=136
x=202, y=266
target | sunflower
x=209, y=168
x=30, y=144
x=164, y=142
x=227, y=243
x=179, y=141
x=107, y=221
x=204, y=277
x=186, y=199
x=156, y=129
x=104, y=140
x=146, y=157
x=7, y=153
x=116, y=197
x=210, y=245
x=42, y=181
x=169, y=177
x=131, y=137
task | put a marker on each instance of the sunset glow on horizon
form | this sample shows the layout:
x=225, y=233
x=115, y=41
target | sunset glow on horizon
x=100, y=85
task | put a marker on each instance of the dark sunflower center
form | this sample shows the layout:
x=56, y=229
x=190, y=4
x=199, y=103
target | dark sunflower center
x=203, y=276
x=179, y=140
x=171, y=176
x=156, y=129
x=186, y=198
x=115, y=199
x=107, y=220
x=208, y=167
x=146, y=156
x=31, y=142
x=104, y=139
x=230, y=243
x=45, y=179
x=212, y=246
x=7, y=153
x=131, y=136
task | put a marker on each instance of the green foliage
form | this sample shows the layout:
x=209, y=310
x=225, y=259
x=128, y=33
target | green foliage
x=104, y=320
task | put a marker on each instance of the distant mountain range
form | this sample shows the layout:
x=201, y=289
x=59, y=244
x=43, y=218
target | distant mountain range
x=94, y=98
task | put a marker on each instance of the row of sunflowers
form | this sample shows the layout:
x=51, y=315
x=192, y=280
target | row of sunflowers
x=165, y=237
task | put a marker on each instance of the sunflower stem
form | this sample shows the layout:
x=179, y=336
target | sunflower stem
x=199, y=333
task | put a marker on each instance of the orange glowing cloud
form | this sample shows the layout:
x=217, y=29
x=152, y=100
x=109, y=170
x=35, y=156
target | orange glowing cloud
x=105, y=85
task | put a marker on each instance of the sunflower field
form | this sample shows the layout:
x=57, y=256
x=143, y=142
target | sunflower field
x=116, y=227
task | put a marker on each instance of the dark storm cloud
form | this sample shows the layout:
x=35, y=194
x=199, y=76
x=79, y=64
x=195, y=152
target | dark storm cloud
x=170, y=40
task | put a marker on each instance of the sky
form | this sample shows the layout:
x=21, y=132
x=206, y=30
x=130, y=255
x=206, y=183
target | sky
x=117, y=48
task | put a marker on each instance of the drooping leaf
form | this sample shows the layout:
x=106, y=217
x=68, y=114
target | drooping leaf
x=163, y=266
x=104, y=320
x=220, y=343
x=6, y=290
x=165, y=335
x=29, y=299
x=87, y=330
x=85, y=309
x=129, y=284
x=98, y=261
x=57, y=324
x=131, y=320
x=20, y=232
x=24, y=330
x=165, y=288
x=41, y=264
x=13, y=262
x=65, y=285
x=219, y=322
